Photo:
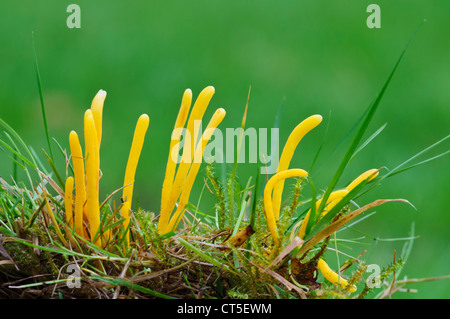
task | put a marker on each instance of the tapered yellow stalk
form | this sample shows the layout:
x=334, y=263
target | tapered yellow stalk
x=332, y=200
x=336, y=196
x=80, y=183
x=54, y=222
x=174, y=143
x=371, y=174
x=97, y=112
x=133, y=158
x=68, y=201
x=281, y=176
x=92, y=174
x=288, y=151
x=216, y=119
x=195, y=117
x=198, y=110
x=332, y=276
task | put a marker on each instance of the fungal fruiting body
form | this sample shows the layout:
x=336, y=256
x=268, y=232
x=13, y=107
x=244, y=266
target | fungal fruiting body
x=174, y=147
x=177, y=187
x=68, y=201
x=336, y=196
x=80, y=183
x=268, y=206
x=332, y=276
x=92, y=176
x=331, y=202
x=288, y=151
x=87, y=174
x=274, y=188
x=189, y=182
x=135, y=153
x=97, y=113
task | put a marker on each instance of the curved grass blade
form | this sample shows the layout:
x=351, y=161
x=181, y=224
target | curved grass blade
x=368, y=116
x=41, y=96
x=131, y=285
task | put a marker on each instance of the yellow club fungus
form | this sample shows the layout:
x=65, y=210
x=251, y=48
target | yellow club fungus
x=68, y=201
x=80, y=183
x=184, y=197
x=332, y=276
x=188, y=155
x=92, y=175
x=268, y=207
x=175, y=186
x=97, y=112
x=135, y=152
x=336, y=196
x=288, y=151
x=86, y=212
x=53, y=220
x=331, y=201
x=370, y=175
x=196, y=115
x=174, y=147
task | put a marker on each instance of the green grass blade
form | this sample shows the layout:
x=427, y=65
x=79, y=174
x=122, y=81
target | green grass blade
x=399, y=169
x=41, y=96
x=313, y=214
x=377, y=132
x=362, y=129
x=325, y=220
x=14, y=134
x=131, y=285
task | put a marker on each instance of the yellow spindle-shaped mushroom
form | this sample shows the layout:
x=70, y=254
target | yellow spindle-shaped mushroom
x=92, y=174
x=336, y=196
x=370, y=174
x=281, y=176
x=198, y=110
x=332, y=276
x=97, y=112
x=288, y=151
x=173, y=151
x=184, y=197
x=135, y=153
x=333, y=196
x=80, y=182
x=171, y=194
x=68, y=201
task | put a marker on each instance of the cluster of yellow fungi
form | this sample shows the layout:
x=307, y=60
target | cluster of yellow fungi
x=274, y=189
x=177, y=186
x=83, y=209
x=83, y=212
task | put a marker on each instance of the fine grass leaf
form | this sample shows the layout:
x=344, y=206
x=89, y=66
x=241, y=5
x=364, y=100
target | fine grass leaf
x=131, y=285
x=333, y=227
x=41, y=97
x=313, y=214
x=400, y=168
x=366, y=119
x=214, y=261
x=14, y=134
x=366, y=142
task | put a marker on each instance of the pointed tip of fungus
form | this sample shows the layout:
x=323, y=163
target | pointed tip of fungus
x=101, y=93
x=145, y=118
x=220, y=112
x=209, y=89
x=88, y=112
x=318, y=117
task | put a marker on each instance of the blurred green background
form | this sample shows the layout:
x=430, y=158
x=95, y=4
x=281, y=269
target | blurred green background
x=311, y=56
